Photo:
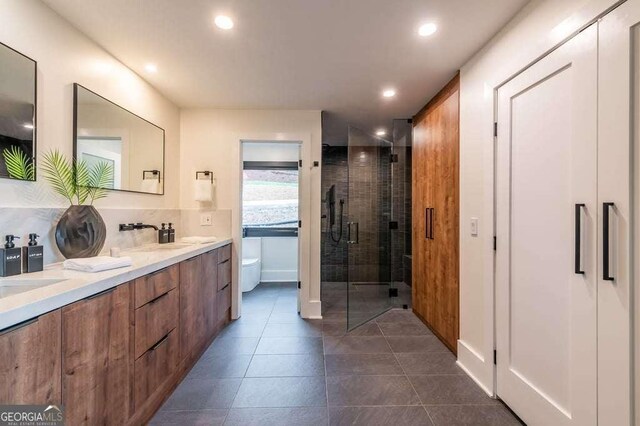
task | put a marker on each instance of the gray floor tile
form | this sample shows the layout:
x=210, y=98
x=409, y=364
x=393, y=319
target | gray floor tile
x=302, y=328
x=199, y=394
x=222, y=366
x=355, y=344
x=232, y=345
x=243, y=329
x=370, y=390
x=286, y=365
x=378, y=416
x=404, y=329
x=449, y=389
x=398, y=316
x=415, y=344
x=429, y=363
x=281, y=392
x=284, y=318
x=472, y=415
x=307, y=416
x=362, y=364
x=289, y=345
x=195, y=418
x=339, y=328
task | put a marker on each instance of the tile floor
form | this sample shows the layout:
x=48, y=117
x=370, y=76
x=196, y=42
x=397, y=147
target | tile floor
x=272, y=368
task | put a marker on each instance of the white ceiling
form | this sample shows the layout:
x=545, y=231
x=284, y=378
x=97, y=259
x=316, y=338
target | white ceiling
x=330, y=55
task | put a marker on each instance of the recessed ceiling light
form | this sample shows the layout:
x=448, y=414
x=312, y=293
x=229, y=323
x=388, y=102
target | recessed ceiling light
x=152, y=68
x=426, y=30
x=223, y=22
x=28, y=126
x=381, y=132
x=389, y=93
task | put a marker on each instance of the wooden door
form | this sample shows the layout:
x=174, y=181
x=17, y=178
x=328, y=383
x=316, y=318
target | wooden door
x=192, y=315
x=96, y=358
x=30, y=362
x=546, y=206
x=435, y=189
x=210, y=290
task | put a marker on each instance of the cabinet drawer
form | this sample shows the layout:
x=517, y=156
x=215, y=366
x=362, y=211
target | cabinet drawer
x=155, y=366
x=155, y=284
x=224, y=253
x=154, y=320
x=224, y=274
x=224, y=302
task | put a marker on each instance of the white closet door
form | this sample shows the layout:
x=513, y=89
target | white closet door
x=618, y=115
x=546, y=166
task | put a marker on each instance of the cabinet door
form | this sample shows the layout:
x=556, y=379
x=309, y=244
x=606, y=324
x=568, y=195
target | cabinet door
x=30, y=362
x=96, y=358
x=210, y=283
x=192, y=318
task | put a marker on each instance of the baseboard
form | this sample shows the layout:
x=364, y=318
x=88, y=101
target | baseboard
x=311, y=309
x=278, y=275
x=475, y=366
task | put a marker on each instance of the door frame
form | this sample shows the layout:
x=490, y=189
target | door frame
x=306, y=306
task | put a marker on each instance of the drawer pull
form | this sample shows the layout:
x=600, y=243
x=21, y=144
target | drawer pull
x=160, y=342
x=154, y=300
x=102, y=293
x=156, y=272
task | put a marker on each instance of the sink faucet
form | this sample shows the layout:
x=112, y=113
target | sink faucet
x=134, y=226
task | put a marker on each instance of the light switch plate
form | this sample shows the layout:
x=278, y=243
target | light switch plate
x=474, y=226
x=205, y=219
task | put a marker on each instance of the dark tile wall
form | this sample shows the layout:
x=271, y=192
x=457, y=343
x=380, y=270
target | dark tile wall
x=334, y=254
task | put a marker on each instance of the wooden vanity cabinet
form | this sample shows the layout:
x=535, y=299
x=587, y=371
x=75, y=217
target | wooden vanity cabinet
x=96, y=358
x=30, y=361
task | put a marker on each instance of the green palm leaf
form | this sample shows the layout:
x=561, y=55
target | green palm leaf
x=59, y=172
x=19, y=165
x=100, y=180
x=82, y=181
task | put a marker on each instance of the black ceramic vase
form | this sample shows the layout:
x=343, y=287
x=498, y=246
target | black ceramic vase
x=80, y=232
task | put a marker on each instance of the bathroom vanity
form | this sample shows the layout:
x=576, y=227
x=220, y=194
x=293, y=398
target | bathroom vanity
x=111, y=346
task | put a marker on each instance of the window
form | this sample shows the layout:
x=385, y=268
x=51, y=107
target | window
x=270, y=199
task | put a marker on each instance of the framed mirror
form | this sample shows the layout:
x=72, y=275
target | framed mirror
x=17, y=115
x=133, y=147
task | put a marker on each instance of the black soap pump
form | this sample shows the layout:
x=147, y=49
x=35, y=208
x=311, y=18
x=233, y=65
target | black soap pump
x=163, y=235
x=32, y=255
x=172, y=233
x=10, y=258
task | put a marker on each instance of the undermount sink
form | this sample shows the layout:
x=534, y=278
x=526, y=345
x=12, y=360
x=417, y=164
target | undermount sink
x=10, y=287
x=156, y=247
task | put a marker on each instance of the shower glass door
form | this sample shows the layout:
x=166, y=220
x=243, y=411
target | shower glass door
x=368, y=234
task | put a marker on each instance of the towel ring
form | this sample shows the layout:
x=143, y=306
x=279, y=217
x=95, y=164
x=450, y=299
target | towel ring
x=206, y=173
x=153, y=172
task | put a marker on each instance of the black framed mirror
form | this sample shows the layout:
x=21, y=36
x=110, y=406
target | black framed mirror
x=104, y=132
x=18, y=106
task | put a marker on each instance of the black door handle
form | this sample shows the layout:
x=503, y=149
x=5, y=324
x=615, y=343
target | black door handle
x=577, y=252
x=606, y=273
x=426, y=223
x=431, y=215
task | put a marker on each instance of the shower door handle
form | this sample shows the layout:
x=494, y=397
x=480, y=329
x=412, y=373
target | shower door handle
x=357, y=226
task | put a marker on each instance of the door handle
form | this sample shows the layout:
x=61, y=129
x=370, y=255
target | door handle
x=427, y=212
x=431, y=215
x=578, y=249
x=357, y=241
x=606, y=261
x=357, y=233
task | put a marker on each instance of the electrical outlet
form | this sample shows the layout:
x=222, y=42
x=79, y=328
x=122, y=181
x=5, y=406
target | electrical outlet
x=205, y=219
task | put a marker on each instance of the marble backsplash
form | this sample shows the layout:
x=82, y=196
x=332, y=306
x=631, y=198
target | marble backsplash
x=23, y=221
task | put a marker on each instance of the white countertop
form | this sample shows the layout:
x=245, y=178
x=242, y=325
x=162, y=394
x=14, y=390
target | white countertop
x=20, y=307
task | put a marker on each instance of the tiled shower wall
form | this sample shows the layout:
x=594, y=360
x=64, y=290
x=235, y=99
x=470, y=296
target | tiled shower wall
x=334, y=254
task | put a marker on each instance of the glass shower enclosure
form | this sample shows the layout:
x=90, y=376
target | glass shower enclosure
x=368, y=227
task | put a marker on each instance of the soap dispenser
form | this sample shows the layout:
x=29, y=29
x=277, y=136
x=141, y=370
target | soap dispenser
x=163, y=235
x=172, y=233
x=32, y=255
x=10, y=258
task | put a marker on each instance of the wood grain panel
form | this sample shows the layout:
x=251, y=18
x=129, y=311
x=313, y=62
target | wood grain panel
x=30, y=362
x=210, y=274
x=156, y=366
x=96, y=358
x=192, y=317
x=153, y=285
x=435, y=182
x=154, y=320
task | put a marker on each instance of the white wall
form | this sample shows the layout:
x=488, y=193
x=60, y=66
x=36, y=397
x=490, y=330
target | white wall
x=211, y=139
x=64, y=56
x=279, y=259
x=540, y=26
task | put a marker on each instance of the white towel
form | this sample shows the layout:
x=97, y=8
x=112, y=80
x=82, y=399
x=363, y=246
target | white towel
x=97, y=264
x=203, y=190
x=198, y=240
x=150, y=185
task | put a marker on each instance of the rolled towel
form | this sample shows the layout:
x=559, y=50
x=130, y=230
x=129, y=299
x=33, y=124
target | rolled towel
x=198, y=240
x=203, y=190
x=150, y=185
x=97, y=264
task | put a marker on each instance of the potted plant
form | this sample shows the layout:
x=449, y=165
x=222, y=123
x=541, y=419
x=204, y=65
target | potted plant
x=80, y=232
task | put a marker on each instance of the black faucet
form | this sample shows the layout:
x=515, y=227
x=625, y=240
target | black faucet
x=134, y=226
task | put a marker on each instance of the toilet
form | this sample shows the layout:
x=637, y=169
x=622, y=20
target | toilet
x=251, y=263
